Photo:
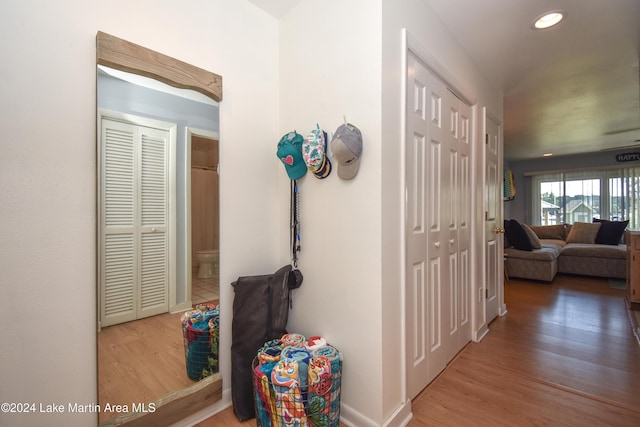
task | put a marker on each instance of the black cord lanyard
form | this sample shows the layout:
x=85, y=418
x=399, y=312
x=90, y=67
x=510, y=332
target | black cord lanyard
x=295, y=223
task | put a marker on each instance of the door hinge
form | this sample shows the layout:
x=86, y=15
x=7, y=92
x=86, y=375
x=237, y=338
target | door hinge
x=486, y=215
x=486, y=138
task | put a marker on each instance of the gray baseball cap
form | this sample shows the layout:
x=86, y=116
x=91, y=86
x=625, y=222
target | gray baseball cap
x=346, y=146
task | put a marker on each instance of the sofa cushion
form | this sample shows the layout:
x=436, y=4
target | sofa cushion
x=583, y=232
x=548, y=252
x=595, y=251
x=610, y=232
x=549, y=231
x=558, y=242
x=533, y=237
x=517, y=236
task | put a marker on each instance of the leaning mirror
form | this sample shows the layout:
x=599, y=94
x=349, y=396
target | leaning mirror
x=157, y=235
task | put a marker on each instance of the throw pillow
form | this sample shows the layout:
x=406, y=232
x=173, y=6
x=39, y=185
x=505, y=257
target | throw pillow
x=517, y=236
x=533, y=237
x=583, y=232
x=610, y=232
x=507, y=243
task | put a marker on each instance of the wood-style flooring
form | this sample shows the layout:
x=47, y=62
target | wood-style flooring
x=563, y=355
x=143, y=360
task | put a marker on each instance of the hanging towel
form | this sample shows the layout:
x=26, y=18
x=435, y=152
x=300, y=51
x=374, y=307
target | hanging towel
x=320, y=382
x=508, y=185
x=335, y=359
x=289, y=406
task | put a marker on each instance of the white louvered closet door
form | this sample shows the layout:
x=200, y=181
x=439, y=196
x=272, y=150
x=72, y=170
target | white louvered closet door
x=134, y=244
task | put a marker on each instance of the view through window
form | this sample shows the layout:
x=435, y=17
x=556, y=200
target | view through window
x=570, y=197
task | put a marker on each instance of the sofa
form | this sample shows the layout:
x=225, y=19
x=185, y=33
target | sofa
x=540, y=252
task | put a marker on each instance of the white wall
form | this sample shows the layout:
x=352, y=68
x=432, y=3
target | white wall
x=345, y=58
x=330, y=68
x=48, y=169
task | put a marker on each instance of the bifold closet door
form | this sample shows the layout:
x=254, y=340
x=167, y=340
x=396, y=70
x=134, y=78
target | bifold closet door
x=133, y=270
x=437, y=227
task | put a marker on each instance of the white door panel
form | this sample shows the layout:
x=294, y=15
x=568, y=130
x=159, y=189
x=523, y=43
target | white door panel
x=134, y=199
x=493, y=220
x=437, y=226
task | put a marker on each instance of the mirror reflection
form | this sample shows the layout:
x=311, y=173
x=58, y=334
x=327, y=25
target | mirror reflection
x=158, y=240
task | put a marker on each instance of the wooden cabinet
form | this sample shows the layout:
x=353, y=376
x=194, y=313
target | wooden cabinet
x=632, y=239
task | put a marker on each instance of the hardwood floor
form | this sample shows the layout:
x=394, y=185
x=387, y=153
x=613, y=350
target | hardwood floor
x=140, y=361
x=563, y=355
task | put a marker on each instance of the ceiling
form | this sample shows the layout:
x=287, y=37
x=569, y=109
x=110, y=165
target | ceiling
x=573, y=88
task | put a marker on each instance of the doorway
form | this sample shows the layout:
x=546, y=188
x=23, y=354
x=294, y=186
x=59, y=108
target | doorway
x=204, y=211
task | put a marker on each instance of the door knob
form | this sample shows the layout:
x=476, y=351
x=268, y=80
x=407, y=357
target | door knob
x=452, y=241
x=437, y=244
x=499, y=230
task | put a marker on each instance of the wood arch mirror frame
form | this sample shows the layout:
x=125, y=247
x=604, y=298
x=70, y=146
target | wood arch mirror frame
x=123, y=55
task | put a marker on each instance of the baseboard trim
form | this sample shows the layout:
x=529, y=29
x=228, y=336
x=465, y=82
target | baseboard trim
x=479, y=335
x=400, y=417
x=348, y=415
x=353, y=418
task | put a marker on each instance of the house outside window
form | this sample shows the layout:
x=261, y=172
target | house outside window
x=581, y=196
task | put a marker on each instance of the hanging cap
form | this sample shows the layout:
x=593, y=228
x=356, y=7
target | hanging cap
x=290, y=154
x=314, y=151
x=346, y=146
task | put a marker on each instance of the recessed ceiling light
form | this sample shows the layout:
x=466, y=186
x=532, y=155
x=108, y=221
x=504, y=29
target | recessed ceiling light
x=549, y=19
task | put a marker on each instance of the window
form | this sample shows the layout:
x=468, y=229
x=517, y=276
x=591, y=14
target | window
x=580, y=196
